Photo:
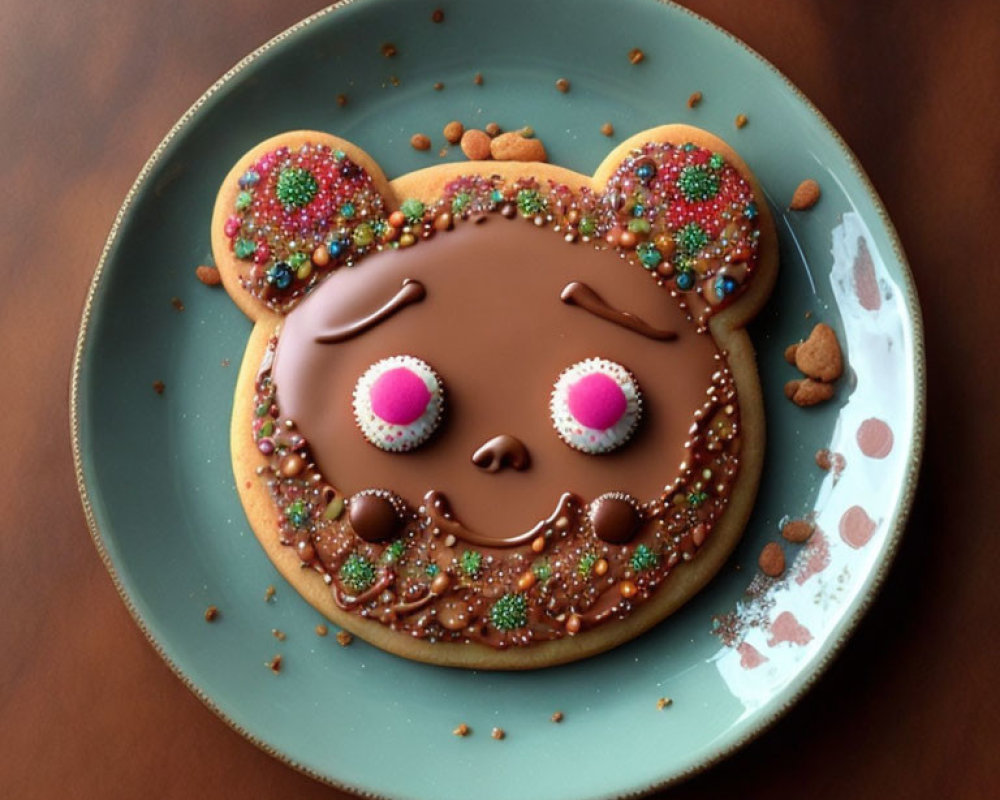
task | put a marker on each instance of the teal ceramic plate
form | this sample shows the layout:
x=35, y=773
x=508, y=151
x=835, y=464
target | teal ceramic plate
x=155, y=473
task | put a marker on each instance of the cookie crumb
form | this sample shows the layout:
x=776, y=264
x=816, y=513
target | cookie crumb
x=438, y=16
x=557, y=716
x=819, y=357
x=322, y=630
x=807, y=392
x=798, y=530
x=159, y=387
x=475, y=144
x=663, y=702
x=831, y=462
x=278, y=634
x=515, y=146
x=438, y=86
x=389, y=50
x=394, y=80
x=461, y=730
x=805, y=196
x=274, y=664
x=493, y=129
x=225, y=362
x=453, y=131
x=269, y=593
x=208, y=275
x=636, y=56
x=694, y=99
x=741, y=121
x=420, y=142
x=478, y=79
x=562, y=85
x=772, y=560
x=341, y=100
x=608, y=129
x=177, y=303
x=344, y=638
x=211, y=614
x=498, y=733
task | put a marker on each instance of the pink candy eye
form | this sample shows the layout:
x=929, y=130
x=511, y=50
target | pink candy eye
x=398, y=403
x=596, y=405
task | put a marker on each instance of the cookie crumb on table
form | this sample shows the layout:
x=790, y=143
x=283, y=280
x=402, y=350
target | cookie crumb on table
x=478, y=79
x=741, y=121
x=274, y=664
x=608, y=129
x=557, y=716
x=461, y=730
x=438, y=86
x=341, y=100
x=475, y=145
x=498, y=733
x=278, y=634
x=322, y=630
x=820, y=360
x=663, y=702
x=420, y=142
x=453, y=131
x=389, y=50
x=636, y=55
x=694, y=99
x=159, y=387
x=177, y=303
x=437, y=16
x=269, y=593
x=344, y=638
x=493, y=129
x=211, y=614
x=562, y=85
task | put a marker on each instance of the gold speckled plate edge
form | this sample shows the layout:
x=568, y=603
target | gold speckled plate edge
x=897, y=526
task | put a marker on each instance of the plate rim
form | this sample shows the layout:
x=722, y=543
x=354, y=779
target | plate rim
x=836, y=643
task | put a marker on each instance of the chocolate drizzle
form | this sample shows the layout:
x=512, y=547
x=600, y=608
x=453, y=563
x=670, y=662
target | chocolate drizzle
x=412, y=291
x=579, y=294
x=440, y=514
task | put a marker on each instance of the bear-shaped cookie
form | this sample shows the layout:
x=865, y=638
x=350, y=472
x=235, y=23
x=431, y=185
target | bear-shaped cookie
x=497, y=415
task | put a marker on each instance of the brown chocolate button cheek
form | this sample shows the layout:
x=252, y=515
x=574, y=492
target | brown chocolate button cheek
x=615, y=517
x=373, y=516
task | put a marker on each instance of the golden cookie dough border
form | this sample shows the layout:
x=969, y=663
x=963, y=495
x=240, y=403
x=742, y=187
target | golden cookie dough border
x=687, y=578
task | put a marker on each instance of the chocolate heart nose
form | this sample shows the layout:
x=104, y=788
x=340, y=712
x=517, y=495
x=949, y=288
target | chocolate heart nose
x=500, y=452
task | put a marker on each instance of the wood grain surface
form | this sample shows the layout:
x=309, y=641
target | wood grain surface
x=911, y=707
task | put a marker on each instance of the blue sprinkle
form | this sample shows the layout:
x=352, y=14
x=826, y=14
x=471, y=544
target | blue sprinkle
x=347, y=210
x=685, y=280
x=638, y=210
x=751, y=210
x=280, y=276
x=249, y=179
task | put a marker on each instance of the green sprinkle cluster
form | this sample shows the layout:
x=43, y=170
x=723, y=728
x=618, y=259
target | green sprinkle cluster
x=413, y=210
x=716, y=162
x=542, y=570
x=691, y=238
x=357, y=573
x=695, y=499
x=471, y=562
x=244, y=248
x=510, y=612
x=394, y=552
x=296, y=187
x=586, y=565
x=644, y=558
x=649, y=255
x=297, y=513
x=698, y=183
x=432, y=569
x=530, y=202
x=460, y=202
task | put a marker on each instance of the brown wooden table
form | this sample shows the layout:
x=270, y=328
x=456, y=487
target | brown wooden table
x=88, y=710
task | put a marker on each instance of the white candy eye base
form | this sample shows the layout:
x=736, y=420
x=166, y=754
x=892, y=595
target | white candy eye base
x=589, y=413
x=398, y=403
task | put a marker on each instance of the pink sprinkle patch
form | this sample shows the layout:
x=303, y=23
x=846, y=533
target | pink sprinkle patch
x=875, y=438
x=865, y=283
x=856, y=527
x=787, y=629
x=817, y=557
x=399, y=396
x=596, y=401
x=750, y=656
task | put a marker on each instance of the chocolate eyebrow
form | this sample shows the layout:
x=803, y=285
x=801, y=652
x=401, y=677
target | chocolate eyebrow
x=412, y=291
x=579, y=294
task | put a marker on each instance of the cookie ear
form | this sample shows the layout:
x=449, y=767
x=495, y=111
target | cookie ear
x=695, y=216
x=291, y=211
